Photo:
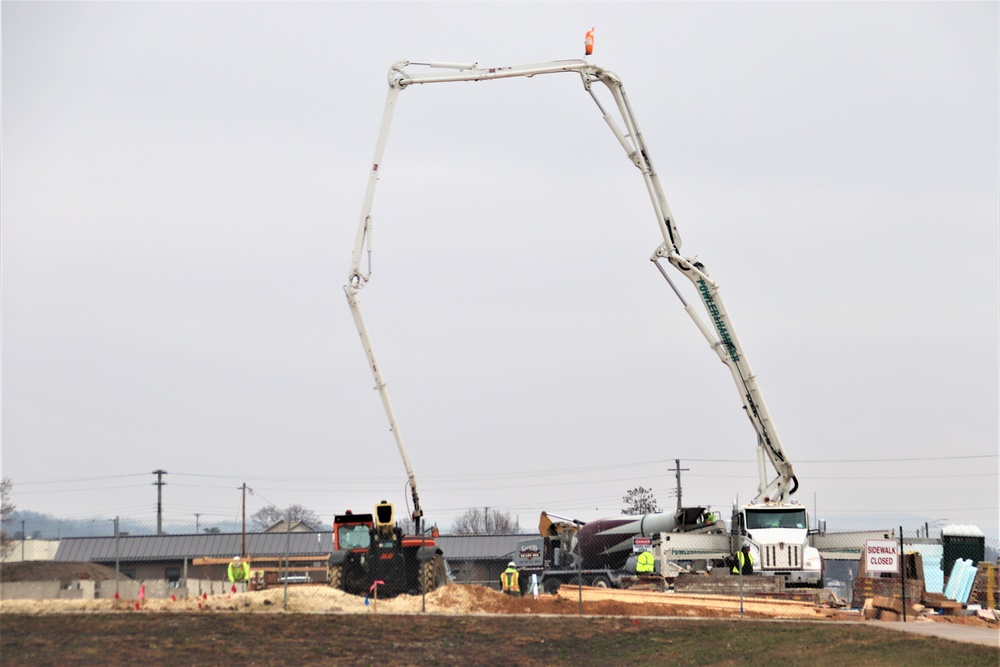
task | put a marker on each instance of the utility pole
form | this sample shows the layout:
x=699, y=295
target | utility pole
x=159, y=484
x=118, y=565
x=678, y=469
x=197, y=516
x=244, y=552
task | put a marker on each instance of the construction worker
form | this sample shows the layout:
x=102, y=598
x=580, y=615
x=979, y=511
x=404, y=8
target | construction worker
x=743, y=561
x=644, y=563
x=710, y=518
x=509, y=580
x=239, y=570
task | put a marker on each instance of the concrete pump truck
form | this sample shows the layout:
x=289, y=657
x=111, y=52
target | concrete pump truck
x=774, y=526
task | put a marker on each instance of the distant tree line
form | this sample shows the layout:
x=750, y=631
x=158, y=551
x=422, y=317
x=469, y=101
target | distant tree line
x=16, y=524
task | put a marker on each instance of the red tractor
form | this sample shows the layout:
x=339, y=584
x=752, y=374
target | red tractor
x=369, y=549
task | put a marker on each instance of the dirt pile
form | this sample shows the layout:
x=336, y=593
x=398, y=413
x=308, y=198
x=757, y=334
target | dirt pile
x=458, y=599
x=453, y=599
x=47, y=570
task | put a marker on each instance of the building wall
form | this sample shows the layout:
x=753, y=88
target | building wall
x=24, y=550
x=105, y=590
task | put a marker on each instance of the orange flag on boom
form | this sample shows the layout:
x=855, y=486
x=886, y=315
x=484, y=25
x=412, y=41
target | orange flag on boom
x=588, y=42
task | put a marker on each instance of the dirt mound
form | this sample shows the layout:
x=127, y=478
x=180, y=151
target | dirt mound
x=47, y=570
x=454, y=599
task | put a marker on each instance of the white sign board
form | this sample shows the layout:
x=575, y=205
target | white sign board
x=640, y=544
x=882, y=556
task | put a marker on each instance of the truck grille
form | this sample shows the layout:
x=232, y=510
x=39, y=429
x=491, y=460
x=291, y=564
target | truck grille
x=781, y=557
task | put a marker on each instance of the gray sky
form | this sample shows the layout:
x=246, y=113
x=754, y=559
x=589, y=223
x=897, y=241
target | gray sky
x=181, y=186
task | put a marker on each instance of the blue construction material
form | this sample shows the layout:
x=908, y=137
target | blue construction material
x=963, y=575
x=931, y=555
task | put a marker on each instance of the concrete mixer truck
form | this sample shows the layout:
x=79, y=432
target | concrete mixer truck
x=604, y=552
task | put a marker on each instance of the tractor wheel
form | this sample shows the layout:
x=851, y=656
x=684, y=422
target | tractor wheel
x=336, y=577
x=432, y=574
x=601, y=581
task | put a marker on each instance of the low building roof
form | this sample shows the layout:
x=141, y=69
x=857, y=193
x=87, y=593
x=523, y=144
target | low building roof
x=177, y=547
x=480, y=547
x=149, y=548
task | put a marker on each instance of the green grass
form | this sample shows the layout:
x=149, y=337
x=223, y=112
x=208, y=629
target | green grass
x=521, y=640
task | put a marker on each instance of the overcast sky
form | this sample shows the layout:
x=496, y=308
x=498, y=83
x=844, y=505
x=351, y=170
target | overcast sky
x=182, y=183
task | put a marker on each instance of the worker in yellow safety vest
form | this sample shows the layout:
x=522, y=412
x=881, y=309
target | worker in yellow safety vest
x=238, y=570
x=744, y=561
x=644, y=563
x=509, y=580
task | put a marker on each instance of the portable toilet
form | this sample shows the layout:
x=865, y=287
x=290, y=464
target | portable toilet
x=962, y=542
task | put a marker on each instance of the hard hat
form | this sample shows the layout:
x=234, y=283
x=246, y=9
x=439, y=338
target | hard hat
x=236, y=558
x=511, y=564
x=746, y=547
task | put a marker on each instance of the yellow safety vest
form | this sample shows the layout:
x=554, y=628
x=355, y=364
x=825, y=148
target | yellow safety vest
x=645, y=562
x=739, y=562
x=509, y=580
x=240, y=572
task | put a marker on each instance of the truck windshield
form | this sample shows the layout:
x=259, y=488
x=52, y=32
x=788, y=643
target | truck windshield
x=776, y=519
x=353, y=537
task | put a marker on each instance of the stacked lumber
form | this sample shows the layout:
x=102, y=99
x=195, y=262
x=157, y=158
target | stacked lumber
x=668, y=604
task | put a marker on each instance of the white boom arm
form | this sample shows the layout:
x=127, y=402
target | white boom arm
x=723, y=340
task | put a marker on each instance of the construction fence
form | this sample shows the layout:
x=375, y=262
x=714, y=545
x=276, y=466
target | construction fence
x=872, y=575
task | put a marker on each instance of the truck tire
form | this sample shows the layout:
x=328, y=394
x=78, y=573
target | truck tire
x=551, y=586
x=432, y=574
x=600, y=581
x=336, y=577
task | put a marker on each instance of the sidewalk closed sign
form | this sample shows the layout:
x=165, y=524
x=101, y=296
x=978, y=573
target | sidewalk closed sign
x=882, y=556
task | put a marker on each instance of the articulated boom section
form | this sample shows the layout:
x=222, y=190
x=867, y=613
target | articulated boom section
x=727, y=345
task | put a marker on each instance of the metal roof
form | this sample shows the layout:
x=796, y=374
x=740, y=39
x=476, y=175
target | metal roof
x=480, y=547
x=226, y=545
x=177, y=547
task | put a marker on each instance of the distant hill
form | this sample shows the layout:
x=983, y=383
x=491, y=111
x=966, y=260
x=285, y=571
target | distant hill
x=47, y=527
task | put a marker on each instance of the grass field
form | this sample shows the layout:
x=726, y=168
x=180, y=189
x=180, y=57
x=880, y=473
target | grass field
x=386, y=640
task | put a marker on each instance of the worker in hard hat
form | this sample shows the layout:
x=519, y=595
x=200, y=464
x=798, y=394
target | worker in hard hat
x=509, y=580
x=743, y=561
x=239, y=569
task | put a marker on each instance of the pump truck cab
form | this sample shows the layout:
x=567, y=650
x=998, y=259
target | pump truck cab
x=372, y=548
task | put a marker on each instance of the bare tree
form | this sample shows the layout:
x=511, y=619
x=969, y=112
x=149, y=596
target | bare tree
x=484, y=521
x=640, y=501
x=6, y=509
x=268, y=516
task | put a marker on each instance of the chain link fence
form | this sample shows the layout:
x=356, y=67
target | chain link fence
x=874, y=575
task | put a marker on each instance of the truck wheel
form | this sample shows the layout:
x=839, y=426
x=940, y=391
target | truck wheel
x=336, y=577
x=601, y=581
x=551, y=586
x=432, y=574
